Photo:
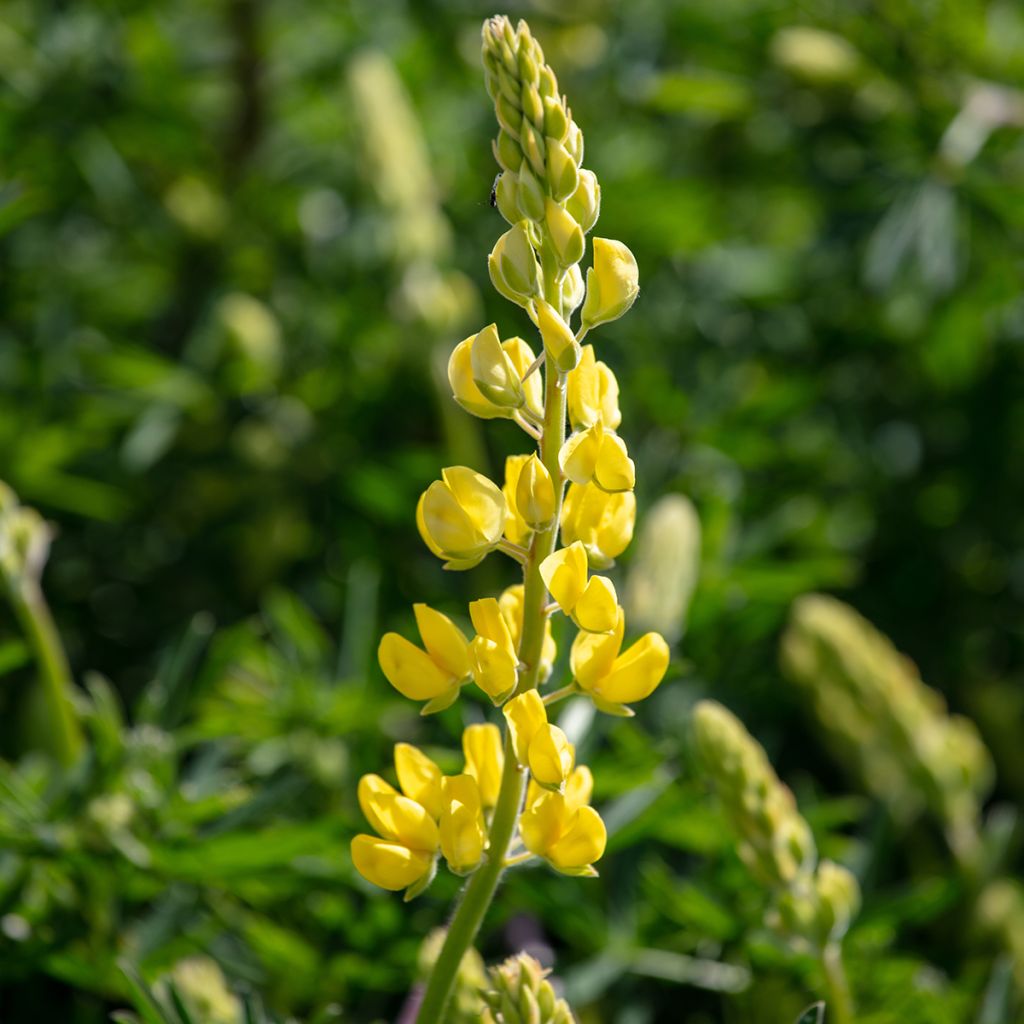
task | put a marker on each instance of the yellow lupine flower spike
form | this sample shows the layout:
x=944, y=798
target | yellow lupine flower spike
x=592, y=604
x=612, y=283
x=462, y=833
x=511, y=604
x=517, y=530
x=419, y=778
x=485, y=759
x=602, y=522
x=434, y=674
x=569, y=838
x=598, y=455
x=461, y=517
x=493, y=657
x=612, y=679
x=403, y=854
x=592, y=393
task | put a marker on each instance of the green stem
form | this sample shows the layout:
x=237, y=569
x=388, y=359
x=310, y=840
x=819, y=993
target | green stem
x=34, y=616
x=839, y=1002
x=477, y=896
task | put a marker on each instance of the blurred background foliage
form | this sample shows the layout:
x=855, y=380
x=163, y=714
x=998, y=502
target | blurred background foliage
x=238, y=239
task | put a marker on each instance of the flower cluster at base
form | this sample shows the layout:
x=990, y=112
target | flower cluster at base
x=576, y=486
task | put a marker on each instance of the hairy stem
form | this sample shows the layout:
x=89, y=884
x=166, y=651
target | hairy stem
x=839, y=1002
x=33, y=614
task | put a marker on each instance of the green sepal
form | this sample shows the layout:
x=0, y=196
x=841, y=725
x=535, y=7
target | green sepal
x=421, y=884
x=611, y=708
x=441, y=702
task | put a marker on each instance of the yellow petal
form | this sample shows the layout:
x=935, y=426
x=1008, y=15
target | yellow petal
x=614, y=470
x=517, y=530
x=494, y=668
x=602, y=522
x=565, y=575
x=396, y=817
x=579, y=787
x=485, y=759
x=482, y=502
x=578, y=456
x=535, y=494
x=522, y=358
x=636, y=672
x=511, y=604
x=489, y=623
x=389, y=865
x=593, y=654
x=411, y=671
x=597, y=610
x=551, y=756
x=373, y=792
x=493, y=371
x=592, y=393
x=543, y=822
x=524, y=714
x=559, y=341
x=447, y=524
x=419, y=777
x=612, y=283
x=445, y=642
x=582, y=843
x=464, y=389
x=461, y=827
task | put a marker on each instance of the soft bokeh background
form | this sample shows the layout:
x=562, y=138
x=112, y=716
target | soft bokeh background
x=239, y=238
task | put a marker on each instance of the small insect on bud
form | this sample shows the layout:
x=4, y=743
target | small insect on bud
x=513, y=266
x=612, y=283
x=559, y=341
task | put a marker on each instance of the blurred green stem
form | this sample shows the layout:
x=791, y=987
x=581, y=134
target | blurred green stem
x=839, y=1002
x=33, y=614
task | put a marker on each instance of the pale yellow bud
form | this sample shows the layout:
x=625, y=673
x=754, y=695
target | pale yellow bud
x=612, y=283
x=535, y=494
x=506, y=196
x=585, y=203
x=493, y=371
x=573, y=291
x=461, y=827
x=559, y=342
x=530, y=194
x=517, y=529
x=485, y=759
x=513, y=266
x=551, y=756
x=592, y=393
x=562, y=172
x=566, y=234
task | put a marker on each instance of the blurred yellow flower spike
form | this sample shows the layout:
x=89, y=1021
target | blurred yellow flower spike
x=517, y=530
x=560, y=344
x=462, y=833
x=570, y=838
x=535, y=494
x=485, y=759
x=461, y=517
x=435, y=674
x=602, y=522
x=511, y=604
x=592, y=393
x=516, y=359
x=403, y=854
x=418, y=777
x=612, y=283
x=512, y=265
x=539, y=746
x=596, y=455
x=493, y=657
x=612, y=679
x=592, y=603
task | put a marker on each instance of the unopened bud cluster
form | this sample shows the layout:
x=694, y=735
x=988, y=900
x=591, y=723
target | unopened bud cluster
x=893, y=729
x=813, y=902
x=24, y=542
x=520, y=993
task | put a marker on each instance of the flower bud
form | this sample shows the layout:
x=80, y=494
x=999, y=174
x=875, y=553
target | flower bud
x=592, y=393
x=598, y=456
x=533, y=146
x=520, y=994
x=461, y=826
x=591, y=603
x=551, y=757
x=513, y=266
x=518, y=357
x=573, y=291
x=562, y=172
x=574, y=142
x=535, y=494
x=525, y=716
x=493, y=371
x=517, y=529
x=507, y=151
x=485, y=759
x=612, y=283
x=559, y=341
x=461, y=517
x=530, y=194
x=506, y=196
x=556, y=120
x=419, y=777
x=585, y=203
x=566, y=236
x=493, y=658
x=602, y=522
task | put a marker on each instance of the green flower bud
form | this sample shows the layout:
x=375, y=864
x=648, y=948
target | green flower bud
x=513, y=266
x=566, y=235
x=559, y=341
x=506, y=196
x=562, y=171
x=521, y=994
x=507, y=151
x=556, y=120
x=530, y=195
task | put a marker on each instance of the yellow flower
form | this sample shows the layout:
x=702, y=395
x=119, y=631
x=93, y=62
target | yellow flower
x=613, y=679
x=419, y=778
x=511, y=604
x=570, y=838
x=566, y=234
x=592, y=603
x=513, y=266
x=612, y=283
x=534, y=495
x=585, y=203
x=602, y=522
x=560, y=343
x=461, y=517
x=485, y=759
x=599, y=456
x=493, y=656
x=540, y=746
x=461, y=828
x=516, y=357
x=403, y=852
x=592, y=393
x=517, y=530
x=434, y=674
